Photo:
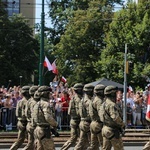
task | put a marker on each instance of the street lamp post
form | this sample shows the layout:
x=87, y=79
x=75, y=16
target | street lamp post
x=125, y=86
x=8, y=85
x=42, y=45
x=20, y=80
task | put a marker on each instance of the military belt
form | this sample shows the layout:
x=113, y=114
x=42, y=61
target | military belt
x=98, y=121
x=111, y=126
x=29, y=121
x=75, y=118
x=44, y=126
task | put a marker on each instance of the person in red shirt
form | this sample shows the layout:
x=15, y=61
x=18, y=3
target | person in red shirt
x=65, y=104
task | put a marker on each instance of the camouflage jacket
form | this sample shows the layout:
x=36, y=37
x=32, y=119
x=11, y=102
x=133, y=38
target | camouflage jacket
x=84, y=108
x=73, y=109
x=42, y=114
x=94, y=107
x=20, y=109
x=112, y=115
x=29, y=108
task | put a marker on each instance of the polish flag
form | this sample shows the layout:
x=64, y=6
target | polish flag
x=148, y=108
x=47, y=64
x=130, y=89
x=63, y=79
x=54, y=70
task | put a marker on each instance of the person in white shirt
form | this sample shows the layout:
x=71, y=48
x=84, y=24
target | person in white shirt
x=130, y=100
x=58, y=108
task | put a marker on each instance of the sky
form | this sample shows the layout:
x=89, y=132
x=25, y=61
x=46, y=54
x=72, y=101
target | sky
x=38, y=12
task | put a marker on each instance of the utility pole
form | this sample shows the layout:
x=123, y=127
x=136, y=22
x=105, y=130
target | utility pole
x=42, y=45
x=125, y=86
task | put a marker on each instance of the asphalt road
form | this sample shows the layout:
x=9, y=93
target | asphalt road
x=125, y=148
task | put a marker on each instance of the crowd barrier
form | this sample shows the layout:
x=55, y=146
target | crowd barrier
x=8, y=119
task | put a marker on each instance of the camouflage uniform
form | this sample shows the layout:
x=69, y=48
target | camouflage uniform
x=146, y=146
x=43, y=118
x=28, y=112
x=84, y=139
x=112, y=121
x=73, y=111
x=22, y=121
x=96, y=125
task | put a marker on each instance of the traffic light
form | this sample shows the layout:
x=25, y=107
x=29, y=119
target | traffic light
x=130, y=66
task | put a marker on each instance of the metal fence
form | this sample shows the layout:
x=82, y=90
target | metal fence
x=8, y=119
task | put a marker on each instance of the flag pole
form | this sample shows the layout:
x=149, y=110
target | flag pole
x=45, y=73
x=42, y=45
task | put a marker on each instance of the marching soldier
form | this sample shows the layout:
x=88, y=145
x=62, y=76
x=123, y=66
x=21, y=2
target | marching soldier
x=28, y=112
x=43, y=118
x=111, y=117
x=96, y=125
x=73, y=111
x=22, y=120
x=84, y=139
x=147, y=145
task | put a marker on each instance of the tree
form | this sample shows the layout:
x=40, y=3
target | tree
x=131, y=25
x=80, y=47
x=18, y=50
x=61, y=11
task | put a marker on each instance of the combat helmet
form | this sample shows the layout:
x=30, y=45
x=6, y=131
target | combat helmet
x=99, y=88
x=78, y=86
x=44, y=91
x=88, y=88
x=110, y=90
x=25, y=89
x=33, y=89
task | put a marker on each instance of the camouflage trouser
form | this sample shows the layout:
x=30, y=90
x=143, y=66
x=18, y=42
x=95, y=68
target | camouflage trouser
x=43, y=142
x=74, y=133
x=111, y=140
x=117, y=144
x=84, y=139
x=146, y=146
x=21, y=136
x=96, y=141
x=30, y=131
x=96, y=136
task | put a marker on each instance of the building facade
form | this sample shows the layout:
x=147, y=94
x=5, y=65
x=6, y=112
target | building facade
x=25, y=7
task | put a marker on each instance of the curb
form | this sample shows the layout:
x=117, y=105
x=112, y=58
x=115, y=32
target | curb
x=60, y=145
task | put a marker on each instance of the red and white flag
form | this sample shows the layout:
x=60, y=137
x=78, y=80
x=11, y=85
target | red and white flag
x=54, y=70
x=148, y=108
x=130, y=89
x=63, y=79
x=47, y=64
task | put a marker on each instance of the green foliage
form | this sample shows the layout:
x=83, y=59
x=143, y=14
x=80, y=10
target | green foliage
x=18, y=50
x=80, y=47
x=131, y=26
